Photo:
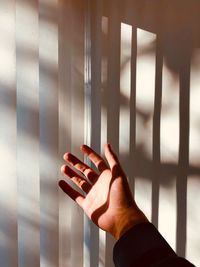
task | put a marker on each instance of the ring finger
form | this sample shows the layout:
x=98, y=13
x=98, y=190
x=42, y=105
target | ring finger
x=77, y=179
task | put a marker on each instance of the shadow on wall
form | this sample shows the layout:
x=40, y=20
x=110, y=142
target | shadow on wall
x=175, y=24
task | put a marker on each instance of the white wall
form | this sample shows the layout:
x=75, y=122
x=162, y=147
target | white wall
x=149, y=64
x=76, y=72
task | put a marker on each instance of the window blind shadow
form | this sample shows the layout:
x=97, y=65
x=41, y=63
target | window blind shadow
x=177, y=36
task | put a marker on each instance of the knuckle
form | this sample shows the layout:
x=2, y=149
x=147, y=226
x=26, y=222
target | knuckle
x=87, y=172
x=80, y=167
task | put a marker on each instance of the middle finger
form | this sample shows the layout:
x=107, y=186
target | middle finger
x=81, y=167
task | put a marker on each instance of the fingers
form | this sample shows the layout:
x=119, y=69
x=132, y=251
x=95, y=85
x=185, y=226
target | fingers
x=80, y=166
x=110, y=156
x=95, y=158
x=77, y=179
x=76, y=196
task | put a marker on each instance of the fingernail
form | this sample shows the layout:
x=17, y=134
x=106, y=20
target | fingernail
x=66, y=156
x=63, y=168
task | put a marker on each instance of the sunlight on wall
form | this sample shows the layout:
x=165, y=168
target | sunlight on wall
x=48, y=110
x=145, y=71
x=170, y=117
x=193, y=232
x=169, y=154
x=8, y=188
x=145, y=88
x=45, y=111
x=27, y=134
x=194, y=109
x=104, y=80
x=125, y=88
x=65, y=62
x=193, y=196
x=167, y=212
x=7, y=51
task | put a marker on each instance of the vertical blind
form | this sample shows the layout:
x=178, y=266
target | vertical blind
x=92, y=72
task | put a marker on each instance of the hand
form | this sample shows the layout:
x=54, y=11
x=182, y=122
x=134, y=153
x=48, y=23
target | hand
x=107, y=201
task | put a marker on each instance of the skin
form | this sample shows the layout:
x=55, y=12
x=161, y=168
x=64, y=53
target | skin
x=106, y=199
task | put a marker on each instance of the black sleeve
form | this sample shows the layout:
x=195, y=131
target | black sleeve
x=143, y=246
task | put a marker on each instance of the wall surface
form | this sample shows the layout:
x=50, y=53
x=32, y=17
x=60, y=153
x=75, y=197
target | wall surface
x=96, y=71
x=41, y=94
x=145, y=62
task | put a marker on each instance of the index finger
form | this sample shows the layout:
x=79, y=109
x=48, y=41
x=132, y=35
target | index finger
x=94, y=157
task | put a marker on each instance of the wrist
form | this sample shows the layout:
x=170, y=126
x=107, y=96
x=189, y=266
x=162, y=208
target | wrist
x=127, y=220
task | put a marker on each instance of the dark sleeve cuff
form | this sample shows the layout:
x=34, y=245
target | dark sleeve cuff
x=143, y=246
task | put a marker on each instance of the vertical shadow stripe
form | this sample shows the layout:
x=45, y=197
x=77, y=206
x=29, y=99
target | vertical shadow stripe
x=156, y=130
x=183, y=163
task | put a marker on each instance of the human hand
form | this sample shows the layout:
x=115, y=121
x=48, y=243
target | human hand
x=107, y=201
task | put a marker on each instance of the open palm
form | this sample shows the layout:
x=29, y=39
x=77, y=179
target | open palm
x=107, y=201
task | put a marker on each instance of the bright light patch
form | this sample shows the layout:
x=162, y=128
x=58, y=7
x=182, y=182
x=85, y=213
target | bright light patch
x=104, y=80
x=169, y=117
x=143, y=195
x=167, y=212
x=145, y=89
x=125, y=87
x=193, y=196
x=145, y=71
x=195, y=110
x=193, y=220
